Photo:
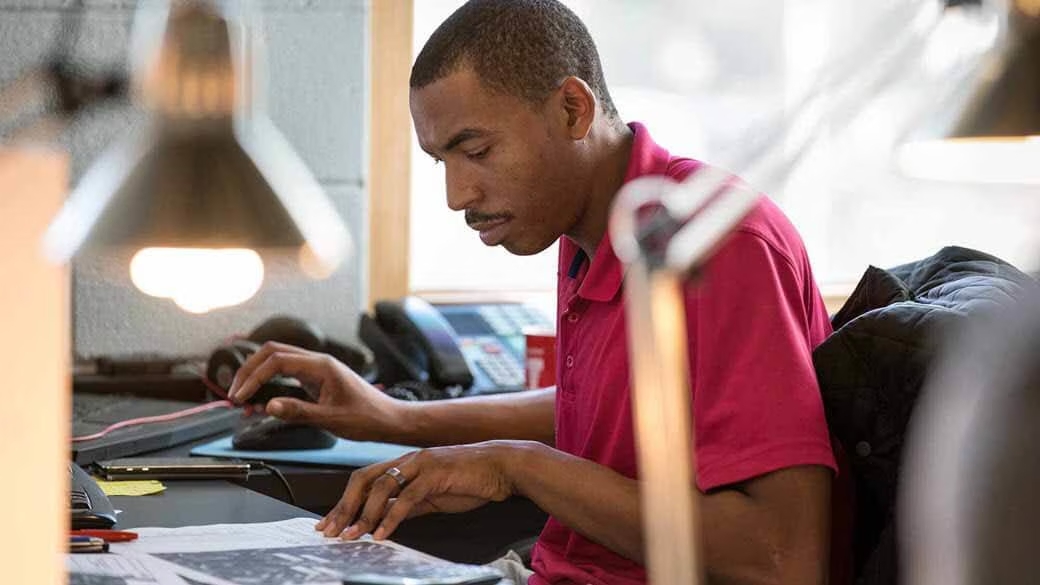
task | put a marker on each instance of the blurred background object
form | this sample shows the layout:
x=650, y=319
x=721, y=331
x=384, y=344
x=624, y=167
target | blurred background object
x=209, y=182
x=995, y=136
x=303, y=65
x=830, y=90
x=34, y=308
x=39, y=103
x=969, y=509
x=665, y=233
x=955, y=40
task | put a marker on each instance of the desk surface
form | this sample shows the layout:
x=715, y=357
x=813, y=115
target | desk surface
x=477, y=536
x=195, y=502
x=198, y=502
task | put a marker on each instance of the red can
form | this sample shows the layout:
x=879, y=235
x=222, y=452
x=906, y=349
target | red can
x=540, y=363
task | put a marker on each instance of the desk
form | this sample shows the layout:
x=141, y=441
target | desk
x=478, y=536
x=195, y=502
x=198, y=502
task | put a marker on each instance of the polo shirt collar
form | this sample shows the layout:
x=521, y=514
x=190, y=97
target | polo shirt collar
x=606, y=272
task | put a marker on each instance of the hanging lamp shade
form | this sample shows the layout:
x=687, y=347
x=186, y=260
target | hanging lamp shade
x=996, y=137
x=1008, y=102
x=208, y=173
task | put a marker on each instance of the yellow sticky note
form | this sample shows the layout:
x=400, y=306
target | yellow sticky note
x=131, y=488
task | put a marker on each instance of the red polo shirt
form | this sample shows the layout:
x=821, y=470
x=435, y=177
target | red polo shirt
x=752, y=322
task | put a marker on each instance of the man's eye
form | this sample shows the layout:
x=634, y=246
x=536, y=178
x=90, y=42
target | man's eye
x=478, y=154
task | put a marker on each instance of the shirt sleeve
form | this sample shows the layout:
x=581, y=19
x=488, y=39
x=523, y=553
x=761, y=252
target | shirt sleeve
x=756, y=403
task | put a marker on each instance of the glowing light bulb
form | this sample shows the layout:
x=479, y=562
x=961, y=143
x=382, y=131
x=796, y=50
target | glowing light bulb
x=198, y=279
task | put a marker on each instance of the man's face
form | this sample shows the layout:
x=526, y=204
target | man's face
x=509, y=165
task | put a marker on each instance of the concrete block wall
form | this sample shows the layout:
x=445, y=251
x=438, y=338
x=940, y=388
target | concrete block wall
x=316, y=93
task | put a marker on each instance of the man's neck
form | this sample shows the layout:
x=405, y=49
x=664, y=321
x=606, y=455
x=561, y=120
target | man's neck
x=610, y=153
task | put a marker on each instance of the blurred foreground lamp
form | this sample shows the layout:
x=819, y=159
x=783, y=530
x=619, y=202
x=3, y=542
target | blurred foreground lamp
x=665, y=232
x=210, y=183
x=996, y=138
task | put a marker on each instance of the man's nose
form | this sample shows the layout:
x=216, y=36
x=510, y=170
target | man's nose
x=462, y=189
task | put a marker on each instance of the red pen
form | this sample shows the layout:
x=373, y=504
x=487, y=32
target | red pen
x=106, y=535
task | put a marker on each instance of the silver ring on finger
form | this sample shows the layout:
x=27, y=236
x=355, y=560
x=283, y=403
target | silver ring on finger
x=397, y=476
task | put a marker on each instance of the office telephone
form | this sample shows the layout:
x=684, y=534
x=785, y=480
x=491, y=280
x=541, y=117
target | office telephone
x=465, y=349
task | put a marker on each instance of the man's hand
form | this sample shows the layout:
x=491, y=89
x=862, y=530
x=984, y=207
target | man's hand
x=442, y=479
x=347, y=405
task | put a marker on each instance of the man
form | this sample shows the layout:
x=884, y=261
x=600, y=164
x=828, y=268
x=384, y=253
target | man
x=510, y=96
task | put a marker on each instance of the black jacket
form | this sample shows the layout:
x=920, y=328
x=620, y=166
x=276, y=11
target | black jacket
x=873, y=367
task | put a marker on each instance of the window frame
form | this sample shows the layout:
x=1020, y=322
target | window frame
x=390, y=169
x=389, y=184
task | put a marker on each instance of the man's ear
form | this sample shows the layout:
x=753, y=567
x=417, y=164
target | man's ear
x=580, y=106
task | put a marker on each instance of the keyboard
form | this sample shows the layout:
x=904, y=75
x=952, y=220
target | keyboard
x=92, y=413
x=88, y=505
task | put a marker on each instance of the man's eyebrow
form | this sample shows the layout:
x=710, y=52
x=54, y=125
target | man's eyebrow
x=462, y=136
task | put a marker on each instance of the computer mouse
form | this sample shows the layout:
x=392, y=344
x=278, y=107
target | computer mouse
x=274, y=434
x=278, y=387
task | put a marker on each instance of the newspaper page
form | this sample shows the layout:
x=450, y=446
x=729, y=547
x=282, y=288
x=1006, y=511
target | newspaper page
x=291, y=552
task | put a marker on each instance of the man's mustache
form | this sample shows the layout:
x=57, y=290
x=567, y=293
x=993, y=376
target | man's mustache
x=476, y=218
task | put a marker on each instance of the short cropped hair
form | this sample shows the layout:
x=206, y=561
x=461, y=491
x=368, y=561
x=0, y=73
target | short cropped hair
x=524, y=48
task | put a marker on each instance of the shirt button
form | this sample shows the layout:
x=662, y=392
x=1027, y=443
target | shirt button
x=570, y=361
x=573, y=317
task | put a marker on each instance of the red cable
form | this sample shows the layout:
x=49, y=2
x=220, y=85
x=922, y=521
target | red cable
x=213, y=387
x=165, y=417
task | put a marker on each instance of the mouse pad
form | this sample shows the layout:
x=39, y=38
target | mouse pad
x=343, y=454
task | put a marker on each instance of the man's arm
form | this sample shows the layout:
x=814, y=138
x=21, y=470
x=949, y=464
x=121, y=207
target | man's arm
x=774, y=528
x=771, y=529
x=350, y=407
x=525, y=415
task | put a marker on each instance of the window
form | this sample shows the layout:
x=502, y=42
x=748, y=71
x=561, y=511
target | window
x=709, y=79
x=446, y=255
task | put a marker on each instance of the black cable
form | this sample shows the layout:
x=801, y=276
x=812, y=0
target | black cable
x=274, y=470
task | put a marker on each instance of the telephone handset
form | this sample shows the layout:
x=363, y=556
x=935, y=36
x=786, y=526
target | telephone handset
x=225, y=360
x=413, y=342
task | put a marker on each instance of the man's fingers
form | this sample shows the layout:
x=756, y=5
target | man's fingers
x=401, y=508
x=310, y=367
x=254, y=361
x=354, y=495
x=307, y=367
x=338, y=517
x=293, y=410
x=336, y=520
x=383, y=488
x=366, y=498
x=341, y=515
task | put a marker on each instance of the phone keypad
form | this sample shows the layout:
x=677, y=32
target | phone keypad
x=501, y=368
x=512, y=319
x=491, y=338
